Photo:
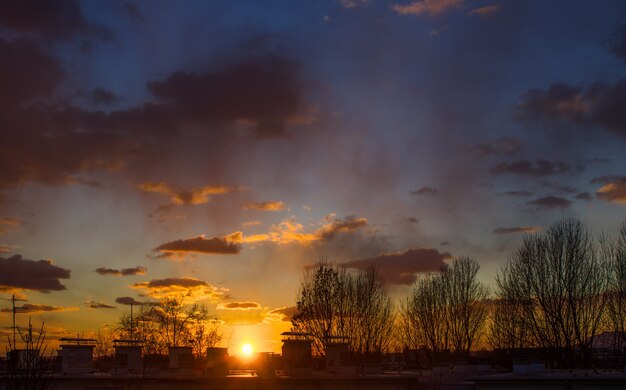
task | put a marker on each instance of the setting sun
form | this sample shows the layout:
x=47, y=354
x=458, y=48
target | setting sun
x=246, y=349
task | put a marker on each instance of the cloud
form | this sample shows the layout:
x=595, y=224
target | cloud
x=284, y=314
x=138, y=270
x=559, y=187
x=290, y=231
x=98, y=305
x=23, y=274
x=59, y=18
x=250, y=224
x=606, y=179
x=617, y=45
x=599, y=104
x=200, y=244
x=516, y=229
x=503, y=145
x=402, y=268
x=263, y=92
x=584, y=196
x=272, y=205
x=425, y=191
x=193, y=196
x=528, y=168
x=101, y=96
x=36, y=308
x=487, y=10
x=238, y=306
x=8, y=224
x=5, y=248
x=549, y=202
x=128, y=301
x=613, y=190
x=31, y=72
x=53, y=141
x=430, y=7
x=516, y=193
x=189, y=288
x=338, y=225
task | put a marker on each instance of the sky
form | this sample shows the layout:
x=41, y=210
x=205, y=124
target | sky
x=217, y=149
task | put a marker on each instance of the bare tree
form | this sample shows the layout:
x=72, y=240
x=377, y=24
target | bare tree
x=334, y=301
x=557, y=279
x=28, y=368
x=171, y=322
x=616, y=292
x=204, y=331
x=467, y=309
x=446, y=310
x=423, y=315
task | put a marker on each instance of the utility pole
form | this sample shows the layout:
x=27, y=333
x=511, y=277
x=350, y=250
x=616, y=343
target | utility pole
x=131, y=321
x=14, y=328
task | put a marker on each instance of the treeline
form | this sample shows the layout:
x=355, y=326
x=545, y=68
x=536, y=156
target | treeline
x=557, y=292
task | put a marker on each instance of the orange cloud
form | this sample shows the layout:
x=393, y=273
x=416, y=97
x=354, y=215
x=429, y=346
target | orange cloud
x=613, y=191
x=8, y=224
x=485, y=11
x=430, y=7
x=190, y=288
x=193, y=196
x=290, y=231
x=272, y=205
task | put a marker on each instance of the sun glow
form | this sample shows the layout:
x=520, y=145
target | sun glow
x=246, y=349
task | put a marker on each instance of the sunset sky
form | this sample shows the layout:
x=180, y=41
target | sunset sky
x=215, y=149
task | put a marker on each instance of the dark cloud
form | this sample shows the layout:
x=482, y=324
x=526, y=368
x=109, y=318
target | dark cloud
x=26, y=72
x=128, y=301
x=402, y=268
x=504, y=145
x=139, y=270
x=516, y=193
x=425, y=191
x=272, y=205
x=98, y=305
x=559, y=187
x=606, y=179
x=214, y=245
x=346, y=225
x=101, y=96
x=264, y=92
x=22, y=274
x=36, y=308
x=528, y=168
x=58, y=18
x=613, y=190
x=516, y=229
x=617, y=45
x=549, y=202
x=411, y=220
x=286, y=313
x=599, y=104
x=133, y=12
x=584, y=196
x=239, y=306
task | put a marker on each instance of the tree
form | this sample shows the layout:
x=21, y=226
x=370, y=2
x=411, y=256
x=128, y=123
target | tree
x=467, y=310
x=556, y=281
x=446, y=310
x=616, y=292
x=333, y=301
x=171, y=322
